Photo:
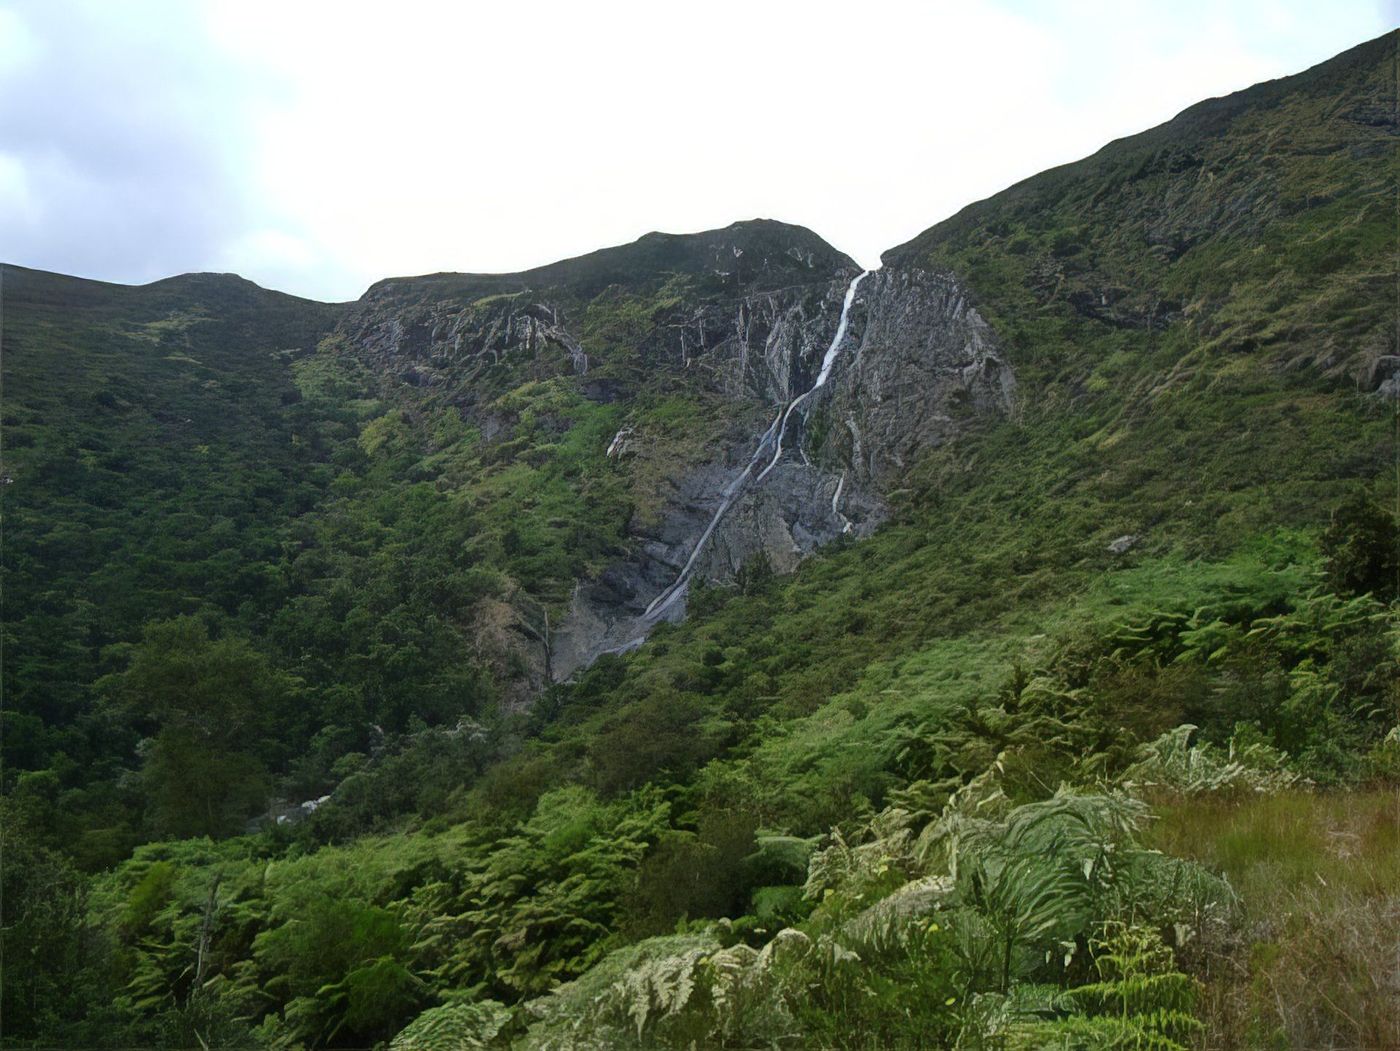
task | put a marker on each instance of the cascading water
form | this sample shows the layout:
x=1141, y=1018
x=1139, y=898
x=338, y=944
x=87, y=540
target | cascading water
x=774, y=434
x=827, y=361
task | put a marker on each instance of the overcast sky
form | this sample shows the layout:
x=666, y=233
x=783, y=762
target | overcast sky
x=318, y=146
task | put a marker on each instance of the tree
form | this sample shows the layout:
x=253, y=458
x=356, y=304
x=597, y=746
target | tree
x=219, y=711
x=1362, y=550
x=43, y=938
x=341, y=961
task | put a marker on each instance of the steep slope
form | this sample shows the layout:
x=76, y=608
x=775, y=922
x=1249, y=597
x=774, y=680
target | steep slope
x=1255, y=222
x=678, y=346
x=1053, y=586
x=1204, y=314
x=154, y=456
x=428, y=504
x=693, y=346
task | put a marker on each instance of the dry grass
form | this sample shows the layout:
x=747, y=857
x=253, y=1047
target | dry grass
x=1315, y=959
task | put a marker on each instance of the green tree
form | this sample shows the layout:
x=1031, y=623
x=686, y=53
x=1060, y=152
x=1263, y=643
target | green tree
x=1362, y=550
x=215, y=706
x=339, y=961
x=44, y=941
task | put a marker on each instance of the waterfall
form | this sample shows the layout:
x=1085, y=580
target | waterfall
x=773, y=435
x=663, y=600
x=827, y=362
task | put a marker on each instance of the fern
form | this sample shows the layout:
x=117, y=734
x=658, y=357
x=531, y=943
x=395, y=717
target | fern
x=679, y=991
x=660, y=990
x=1171, y=761
x=1141, y=1002
x=1082, y=1033
x=888, y=856
x=600, y=1008
x=892, y=917
x=454, y=1027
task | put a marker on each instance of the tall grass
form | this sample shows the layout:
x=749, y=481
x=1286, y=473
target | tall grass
x=1317, y=963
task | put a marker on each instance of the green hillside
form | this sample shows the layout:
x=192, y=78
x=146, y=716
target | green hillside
x=1094, y=742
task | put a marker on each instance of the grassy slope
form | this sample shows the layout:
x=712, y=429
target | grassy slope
x=1319, y=878
x=1246, y=250
x=1221, y=432
x=1221, y=399
x=556, y=506
x=202, y=446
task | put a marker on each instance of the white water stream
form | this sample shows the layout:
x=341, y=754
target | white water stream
x=776, y=430
x=827, y=361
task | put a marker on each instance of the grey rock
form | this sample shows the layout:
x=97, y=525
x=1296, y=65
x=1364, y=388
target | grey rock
x=918, y=366
x=1383, y=377
x=925, y=365
x=1123, y=544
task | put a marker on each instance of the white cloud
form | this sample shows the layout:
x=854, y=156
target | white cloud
x=340, y=142
x=127, y=125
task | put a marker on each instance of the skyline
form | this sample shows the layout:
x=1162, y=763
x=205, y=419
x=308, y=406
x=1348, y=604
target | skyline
x=319, y=149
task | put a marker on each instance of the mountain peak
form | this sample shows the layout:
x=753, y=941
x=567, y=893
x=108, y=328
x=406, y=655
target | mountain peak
x=756, y=253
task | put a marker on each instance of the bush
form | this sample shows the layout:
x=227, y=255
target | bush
x=1361, y=547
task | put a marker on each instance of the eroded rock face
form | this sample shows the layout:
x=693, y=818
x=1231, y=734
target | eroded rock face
x=798, y=508
x=451, y=341
x=916, y=366
x=765, y=346
x=925, y=364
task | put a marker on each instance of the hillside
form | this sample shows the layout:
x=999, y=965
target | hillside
x=700, y=643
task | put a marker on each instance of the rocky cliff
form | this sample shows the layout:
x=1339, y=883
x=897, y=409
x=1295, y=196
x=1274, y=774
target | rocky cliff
x=736, y=324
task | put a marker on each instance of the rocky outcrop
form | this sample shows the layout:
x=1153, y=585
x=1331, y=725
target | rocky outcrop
x=923, y=367
x=798, y=508
x=751, y=317
x=449, y=343
x=918, y=365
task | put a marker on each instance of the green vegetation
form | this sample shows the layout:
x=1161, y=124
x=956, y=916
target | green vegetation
x=978, y=781
x=958, y=865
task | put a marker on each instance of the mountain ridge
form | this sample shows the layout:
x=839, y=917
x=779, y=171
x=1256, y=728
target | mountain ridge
x=1210, y=116
x=662, y=252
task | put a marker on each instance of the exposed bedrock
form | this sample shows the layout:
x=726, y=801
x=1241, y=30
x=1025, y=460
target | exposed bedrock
x=823, y=427
x=923, y=367
x=917, y=366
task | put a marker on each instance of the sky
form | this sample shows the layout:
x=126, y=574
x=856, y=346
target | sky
x=316, y=147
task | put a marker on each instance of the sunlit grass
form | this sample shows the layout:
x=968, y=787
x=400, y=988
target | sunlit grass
x=1318, y=874
x=1274, y=845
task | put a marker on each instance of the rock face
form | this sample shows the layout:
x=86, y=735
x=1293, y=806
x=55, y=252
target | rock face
x=740, y=338
x=796, y=509
x=451, y=342
x=924, y=365
x=744, y=317
x=918, y=364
